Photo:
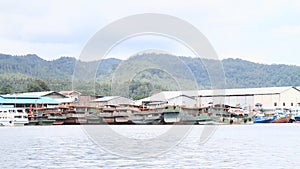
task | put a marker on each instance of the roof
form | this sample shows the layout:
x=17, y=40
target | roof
x=183, y=95
x=66, y=100
x=106, y=98
x=27, y=100
x=67, y=92
x=17, y=96
x=244, y=91
x=38, y=94
x=167, y=95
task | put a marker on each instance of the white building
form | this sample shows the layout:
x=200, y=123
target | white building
x=268, y=97
x=183, y=100
x=171, y=98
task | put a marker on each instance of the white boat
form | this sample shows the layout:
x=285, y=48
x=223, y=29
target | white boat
x=13, y=117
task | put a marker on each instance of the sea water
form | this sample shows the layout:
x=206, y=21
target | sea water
x=228, y=146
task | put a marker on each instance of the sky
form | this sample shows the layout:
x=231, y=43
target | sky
x=263, y=31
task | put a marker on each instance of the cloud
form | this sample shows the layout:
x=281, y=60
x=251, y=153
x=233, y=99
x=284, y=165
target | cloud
x=47, y=51
x=54, y=28
x=287, y=30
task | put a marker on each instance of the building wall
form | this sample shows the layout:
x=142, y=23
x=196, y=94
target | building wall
x=55, y=96
x=182, y=101
x=267, y=101
x=287, y=99
x=86, y=101
x=74, y=95
x=244, y=101
x=290, y=97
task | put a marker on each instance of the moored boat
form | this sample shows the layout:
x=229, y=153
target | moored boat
x=13, y=117
x=264, y=118
x=171, y=115
x=282, y=117
x=146, y=117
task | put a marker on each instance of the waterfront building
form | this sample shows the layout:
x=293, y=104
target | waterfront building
x=27, y=102
x=71, y=94
x=61, y=98
x=267, y=97
x=112, y=100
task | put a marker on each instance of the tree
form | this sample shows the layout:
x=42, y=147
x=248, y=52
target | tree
x=6, y=89
x=37, y=86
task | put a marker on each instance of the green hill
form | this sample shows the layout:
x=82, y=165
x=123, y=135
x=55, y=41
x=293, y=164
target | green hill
x=140, y=75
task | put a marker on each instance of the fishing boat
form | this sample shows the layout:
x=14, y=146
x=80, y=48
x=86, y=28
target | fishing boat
x=45, y=121
x=282, y=117
x=225, y=114
x=295, y=117
x=171, y=115
x=13, y=117
x=207, y=119
x=265, y=117
x=93, y=119
x=146, y=117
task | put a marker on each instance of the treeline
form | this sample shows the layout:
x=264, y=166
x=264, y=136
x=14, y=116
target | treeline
x=137, y=77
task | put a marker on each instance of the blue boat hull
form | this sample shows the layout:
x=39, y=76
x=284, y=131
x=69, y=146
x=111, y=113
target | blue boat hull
x=264, y=119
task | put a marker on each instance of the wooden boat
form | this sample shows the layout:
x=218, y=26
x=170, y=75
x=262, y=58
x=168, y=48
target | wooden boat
x=108, y=120
x=224, y=114
x=145, y=119
x=93, y=119
x=121, y=119
x=45, y=121
x=282, y=118
x=171, y=115
x=207, y=119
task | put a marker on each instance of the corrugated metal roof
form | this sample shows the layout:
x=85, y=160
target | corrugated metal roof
x=36, y=94
x=15, y=96
x=67, y=92
x=66, y=100
x=39, y=94
x=244, y=91
x=105, y=99
x=26, y=100
x=166, y=95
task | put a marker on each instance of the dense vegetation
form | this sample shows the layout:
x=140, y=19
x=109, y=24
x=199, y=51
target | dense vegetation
x=138, y=76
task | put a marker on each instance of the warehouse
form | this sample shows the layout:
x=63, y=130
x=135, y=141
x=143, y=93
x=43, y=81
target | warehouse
x=270, y=97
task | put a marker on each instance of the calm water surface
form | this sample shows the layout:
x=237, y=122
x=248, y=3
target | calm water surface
x=250, y=146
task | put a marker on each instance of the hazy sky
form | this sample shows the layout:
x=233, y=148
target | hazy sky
x=266, y=31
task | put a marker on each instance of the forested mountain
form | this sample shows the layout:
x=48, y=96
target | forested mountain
x=141, y=74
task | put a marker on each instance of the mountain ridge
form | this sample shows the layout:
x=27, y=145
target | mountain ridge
x=18, y=71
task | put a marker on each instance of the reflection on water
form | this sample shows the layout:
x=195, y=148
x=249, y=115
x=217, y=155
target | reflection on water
x=249, y=146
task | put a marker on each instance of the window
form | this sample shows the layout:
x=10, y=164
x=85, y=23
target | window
x=292, y=104
x=283, y=104
x=275, y=104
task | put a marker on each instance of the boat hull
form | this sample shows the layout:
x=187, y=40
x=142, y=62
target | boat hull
x=264, y=119
x=282, y=120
